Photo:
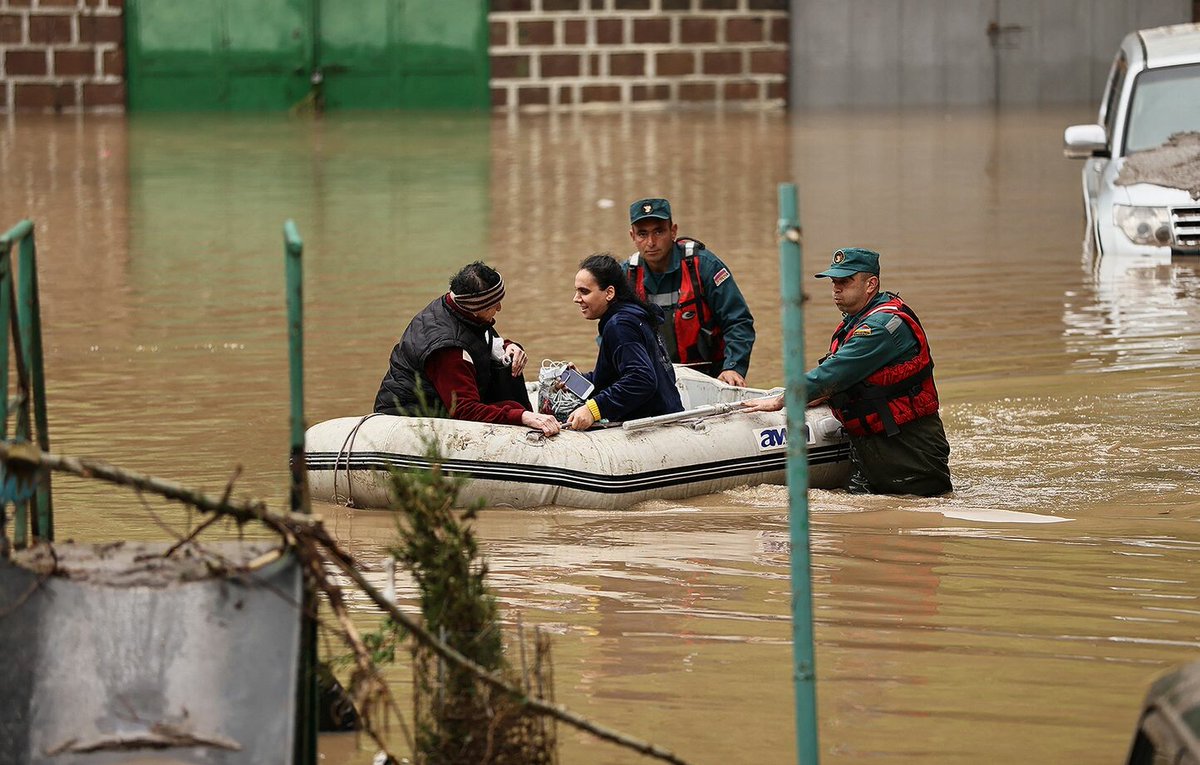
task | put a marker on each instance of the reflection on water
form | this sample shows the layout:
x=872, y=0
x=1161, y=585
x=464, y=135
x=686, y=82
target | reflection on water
x=1133, y=316
x=1024, y=613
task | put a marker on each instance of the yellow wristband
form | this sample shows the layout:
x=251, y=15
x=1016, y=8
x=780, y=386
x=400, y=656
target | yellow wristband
x=593, y=408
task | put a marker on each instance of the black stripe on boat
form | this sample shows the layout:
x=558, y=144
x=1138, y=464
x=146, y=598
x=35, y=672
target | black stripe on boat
x=574, y=479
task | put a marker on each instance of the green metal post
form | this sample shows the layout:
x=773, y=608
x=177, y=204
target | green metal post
x=803, y=655
x=294, y=247
x=305, y=750
x=19, y=315
x=6, y=291
x=29, y=312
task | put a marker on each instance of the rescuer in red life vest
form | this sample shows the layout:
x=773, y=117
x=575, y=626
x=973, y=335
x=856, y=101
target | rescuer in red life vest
x=878, y=379
x=708, y=324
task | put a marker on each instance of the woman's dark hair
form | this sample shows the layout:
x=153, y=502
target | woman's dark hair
x=608, y=273
x=474, y=278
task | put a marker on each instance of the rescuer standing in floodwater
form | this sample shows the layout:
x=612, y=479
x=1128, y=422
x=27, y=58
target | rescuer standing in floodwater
x=878, y=380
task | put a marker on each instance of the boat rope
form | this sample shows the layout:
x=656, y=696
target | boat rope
x=347, y=448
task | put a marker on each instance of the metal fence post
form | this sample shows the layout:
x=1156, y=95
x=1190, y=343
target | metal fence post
x=30, y=313
x=803, y=655
x=6, y=312
x=305, y=751
x=6, y=307
x=20, y=313
x=294, y=247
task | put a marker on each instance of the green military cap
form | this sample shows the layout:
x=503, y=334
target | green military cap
x=649, y=208
x=849, y=261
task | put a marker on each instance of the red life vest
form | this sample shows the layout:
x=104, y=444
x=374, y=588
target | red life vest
x=894, y=395
x=697, y=334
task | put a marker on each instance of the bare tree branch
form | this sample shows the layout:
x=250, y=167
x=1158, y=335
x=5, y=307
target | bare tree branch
x=295, y=528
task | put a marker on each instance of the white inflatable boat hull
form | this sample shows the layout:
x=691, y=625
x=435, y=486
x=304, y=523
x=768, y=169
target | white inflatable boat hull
x=348, y=459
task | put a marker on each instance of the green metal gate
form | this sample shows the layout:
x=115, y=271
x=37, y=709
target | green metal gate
x=265, y=55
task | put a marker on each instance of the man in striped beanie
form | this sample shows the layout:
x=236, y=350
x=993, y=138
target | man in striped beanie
x=451, y=357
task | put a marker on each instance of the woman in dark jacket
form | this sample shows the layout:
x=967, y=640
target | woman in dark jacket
x=633, y=375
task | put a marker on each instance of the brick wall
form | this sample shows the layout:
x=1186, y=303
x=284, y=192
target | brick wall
x=68, y=55
x=549, y=54
x=62, y=55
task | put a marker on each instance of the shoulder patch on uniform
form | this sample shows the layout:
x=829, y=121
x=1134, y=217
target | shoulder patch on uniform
x=720, y=276
x=862, y=329
x=893, y=324
x=467, y=358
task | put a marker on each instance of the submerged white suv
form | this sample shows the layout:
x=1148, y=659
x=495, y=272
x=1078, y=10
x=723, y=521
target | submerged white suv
x=1141, y=178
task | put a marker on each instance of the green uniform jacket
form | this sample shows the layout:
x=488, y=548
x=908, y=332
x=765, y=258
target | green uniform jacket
x=862, y=354
x=726, y=300
x=917, y=459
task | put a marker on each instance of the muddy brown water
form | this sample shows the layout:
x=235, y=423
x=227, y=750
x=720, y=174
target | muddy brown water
x=1022, y=617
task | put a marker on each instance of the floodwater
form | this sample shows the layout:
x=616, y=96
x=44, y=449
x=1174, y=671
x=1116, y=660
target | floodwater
x=1019, y=619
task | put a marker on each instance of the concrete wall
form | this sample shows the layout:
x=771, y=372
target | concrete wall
x=550, y=54
x=62, y=55
x=947, y=52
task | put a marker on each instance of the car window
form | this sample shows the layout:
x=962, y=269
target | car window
x=1116, y=81
x=1164, y=101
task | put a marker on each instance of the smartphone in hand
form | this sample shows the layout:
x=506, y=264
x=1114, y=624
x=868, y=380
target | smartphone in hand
x=576, y=383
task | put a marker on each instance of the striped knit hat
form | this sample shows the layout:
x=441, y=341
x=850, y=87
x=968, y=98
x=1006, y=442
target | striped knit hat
x=476, y=302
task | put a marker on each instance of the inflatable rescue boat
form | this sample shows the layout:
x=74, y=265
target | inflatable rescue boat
x=711, y=446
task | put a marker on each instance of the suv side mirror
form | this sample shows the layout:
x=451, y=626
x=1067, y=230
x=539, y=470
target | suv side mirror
x=1083, y=141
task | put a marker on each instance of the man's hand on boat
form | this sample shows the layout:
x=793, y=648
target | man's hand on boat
x=765, y=404
x=774, y=403
x=543, y=422
x=730, y=377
